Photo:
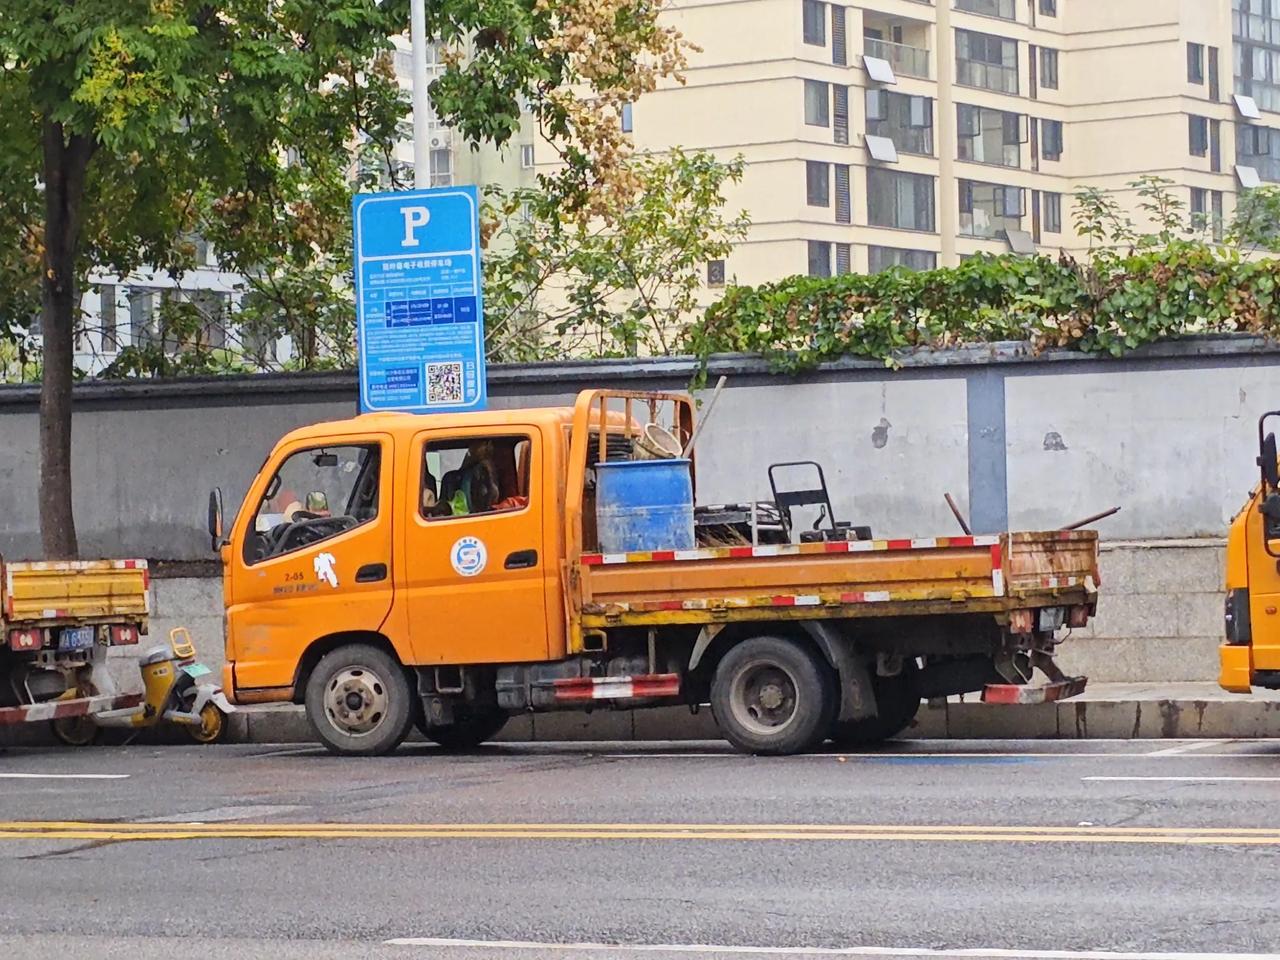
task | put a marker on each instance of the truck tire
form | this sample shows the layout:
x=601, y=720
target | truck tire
x=898, y=702
x=358, y=701
x=466, y=733
x=772, y=696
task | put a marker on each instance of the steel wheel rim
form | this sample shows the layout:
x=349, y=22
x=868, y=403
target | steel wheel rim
x=764, y=697
x=356, y=701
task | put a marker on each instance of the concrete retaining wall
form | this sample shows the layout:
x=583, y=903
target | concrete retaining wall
x=1022, y=441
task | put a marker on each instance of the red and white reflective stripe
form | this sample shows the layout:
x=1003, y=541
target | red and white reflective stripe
x=785, y=550
x=58, y=709
x=997, y=569
x=79, y=565
x=773, y=600
x=617, y=688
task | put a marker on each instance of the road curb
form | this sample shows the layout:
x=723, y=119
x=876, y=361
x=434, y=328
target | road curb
x=1084, y=719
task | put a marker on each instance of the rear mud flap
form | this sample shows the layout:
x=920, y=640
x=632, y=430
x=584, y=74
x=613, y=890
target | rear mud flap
x=1048, y=693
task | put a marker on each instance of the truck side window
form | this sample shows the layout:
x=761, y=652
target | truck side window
x=462, y=477
x=316, y=494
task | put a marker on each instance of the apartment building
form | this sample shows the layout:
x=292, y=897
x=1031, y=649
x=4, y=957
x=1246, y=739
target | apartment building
x=919, y=132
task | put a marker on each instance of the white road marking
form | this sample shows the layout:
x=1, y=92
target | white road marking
x=1186, y=779
x=967, y=953
x=64, y=776
x=1188, y=747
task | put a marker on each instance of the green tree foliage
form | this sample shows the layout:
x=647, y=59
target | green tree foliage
x=1134, y=288
x=624, y=284
x=127, y=126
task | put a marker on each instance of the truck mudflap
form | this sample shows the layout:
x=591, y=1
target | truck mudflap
x=58, y=709
x=1046, y=693
x=1059, y=687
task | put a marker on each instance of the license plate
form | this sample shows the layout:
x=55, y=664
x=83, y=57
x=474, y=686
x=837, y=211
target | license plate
x=196, y=670
x=76, y=638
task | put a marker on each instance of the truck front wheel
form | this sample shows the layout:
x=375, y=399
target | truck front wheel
x=358, y=701
x=772, y=696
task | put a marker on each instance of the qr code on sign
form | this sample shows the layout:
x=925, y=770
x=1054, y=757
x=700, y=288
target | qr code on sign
x=444, y=382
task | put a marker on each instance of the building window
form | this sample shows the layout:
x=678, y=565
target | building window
x=1216, y=215
x=906, y=120
x=1195, y=63
x=984, y=135
x=819, y=258
x=1198, y=135
x=1255, y=26
x=840, y=109
x=817, y=177
x=626, y=118
x=1259, y=147
x=839, y=37
x=986, y=61
x=715, y=273
x=1048, y=68
x=881, y=259
x=901, y=200
x=817, y=104
x=844, y=207
x=1048, y=8
x=1215, y=88
x=1051, y=139
x=1004, y=9
x=526, y=156
x=1052, y=212
x=989, y=210
x=1199, y=208
x=107, y=317
x=815, y=23
x=441, y=167
x=844, y=259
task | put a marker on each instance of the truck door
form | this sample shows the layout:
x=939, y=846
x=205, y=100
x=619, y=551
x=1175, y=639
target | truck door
x=315, y=557
x=473, y=577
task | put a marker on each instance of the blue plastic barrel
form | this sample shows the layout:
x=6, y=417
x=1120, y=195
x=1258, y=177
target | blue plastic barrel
x=644, y=505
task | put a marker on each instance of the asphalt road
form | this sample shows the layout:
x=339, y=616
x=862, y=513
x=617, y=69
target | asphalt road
x=1044, y=850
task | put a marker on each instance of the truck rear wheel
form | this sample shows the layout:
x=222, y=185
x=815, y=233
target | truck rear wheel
x=897, y=702
x=358, y=701
x=772, y=696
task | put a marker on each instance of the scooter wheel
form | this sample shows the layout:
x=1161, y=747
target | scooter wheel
x=213, y=725
x=78, y=731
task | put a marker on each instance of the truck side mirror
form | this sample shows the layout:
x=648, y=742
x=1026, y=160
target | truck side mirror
x=215, y=518
x=1267, y=461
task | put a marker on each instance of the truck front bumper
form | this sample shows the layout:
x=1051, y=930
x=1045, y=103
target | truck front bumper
x=1235, y=667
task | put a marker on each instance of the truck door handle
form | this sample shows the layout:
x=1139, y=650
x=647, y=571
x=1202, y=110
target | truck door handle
x=371, y=573
x=522, y=560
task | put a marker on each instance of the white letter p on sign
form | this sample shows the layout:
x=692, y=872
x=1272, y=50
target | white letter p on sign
x=414, y=217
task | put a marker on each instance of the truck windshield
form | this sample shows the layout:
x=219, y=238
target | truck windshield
x=315, y=494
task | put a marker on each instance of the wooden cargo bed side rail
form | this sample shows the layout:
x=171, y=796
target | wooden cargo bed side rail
x=838, y=580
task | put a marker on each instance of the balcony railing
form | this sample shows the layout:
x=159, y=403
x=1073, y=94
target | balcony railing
x=988, y=76
x=906, y=60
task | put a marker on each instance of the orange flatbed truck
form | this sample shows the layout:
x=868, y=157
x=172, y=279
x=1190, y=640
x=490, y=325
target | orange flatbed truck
x=361, y=580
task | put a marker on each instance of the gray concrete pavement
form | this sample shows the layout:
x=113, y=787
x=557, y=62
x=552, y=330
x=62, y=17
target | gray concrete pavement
x=1050, y=850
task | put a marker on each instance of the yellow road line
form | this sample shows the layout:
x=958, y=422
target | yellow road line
x=241, y=827
x=90, y=831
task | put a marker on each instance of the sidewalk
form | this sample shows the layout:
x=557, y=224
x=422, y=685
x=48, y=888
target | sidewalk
x=1104, y=711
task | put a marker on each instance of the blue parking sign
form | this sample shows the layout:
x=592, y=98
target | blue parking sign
x=419, y=313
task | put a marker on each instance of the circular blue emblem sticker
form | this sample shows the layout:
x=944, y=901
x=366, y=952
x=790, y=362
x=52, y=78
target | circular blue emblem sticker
x=468, y=556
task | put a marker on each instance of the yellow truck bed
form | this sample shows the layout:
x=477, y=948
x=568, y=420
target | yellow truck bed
x=869, y=578
x=73, y=592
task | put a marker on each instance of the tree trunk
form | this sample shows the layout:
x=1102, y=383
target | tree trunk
x=65, y=163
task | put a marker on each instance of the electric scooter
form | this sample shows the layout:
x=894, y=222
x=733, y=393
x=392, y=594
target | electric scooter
x=175, y=690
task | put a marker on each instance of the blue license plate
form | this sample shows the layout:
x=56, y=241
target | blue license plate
x=196, y=670
x=75, y=638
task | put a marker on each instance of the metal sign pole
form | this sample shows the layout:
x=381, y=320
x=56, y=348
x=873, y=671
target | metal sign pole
x=421, y=106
